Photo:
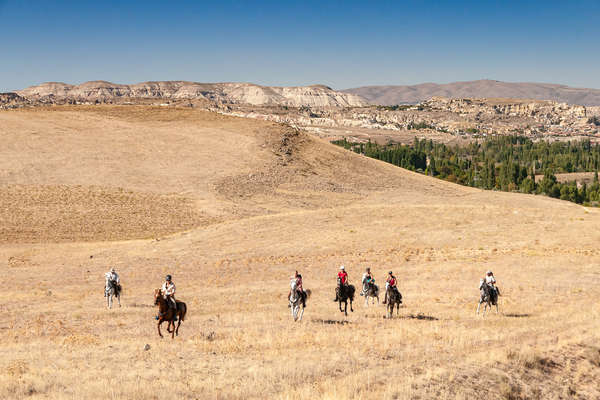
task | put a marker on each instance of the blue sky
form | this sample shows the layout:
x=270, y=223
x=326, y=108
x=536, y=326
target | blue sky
x=339, y=43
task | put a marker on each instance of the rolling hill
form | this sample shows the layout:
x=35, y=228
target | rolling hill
x=412, y=94
x=231, y=207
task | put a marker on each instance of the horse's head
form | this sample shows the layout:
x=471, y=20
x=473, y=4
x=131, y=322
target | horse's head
x=157, y=297
x=293, y=285
x=339, y=281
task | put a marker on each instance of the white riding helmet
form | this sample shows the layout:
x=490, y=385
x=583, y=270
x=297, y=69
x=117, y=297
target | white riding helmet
x=489, y=272
x=112, y=269
x=342, y=268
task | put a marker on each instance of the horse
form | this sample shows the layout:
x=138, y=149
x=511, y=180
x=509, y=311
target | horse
x=370, y=290
x=343, y=294
x=296, y=301
x=166, y=313
x=112, y=289
x=488, y=295
x=394, y=298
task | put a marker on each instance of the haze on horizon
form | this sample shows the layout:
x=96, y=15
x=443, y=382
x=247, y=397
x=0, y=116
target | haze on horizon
x=340, y=44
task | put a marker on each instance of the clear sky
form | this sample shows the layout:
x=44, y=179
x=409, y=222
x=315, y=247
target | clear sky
x=339, y=43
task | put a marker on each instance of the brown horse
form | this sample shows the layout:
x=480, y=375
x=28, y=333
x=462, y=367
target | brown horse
x=166, y=313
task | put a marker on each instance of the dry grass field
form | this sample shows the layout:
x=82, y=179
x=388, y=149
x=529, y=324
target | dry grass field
x=231, y=207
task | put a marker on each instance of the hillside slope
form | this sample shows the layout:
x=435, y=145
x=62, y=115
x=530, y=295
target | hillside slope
x=249, y=202
x=412, y=94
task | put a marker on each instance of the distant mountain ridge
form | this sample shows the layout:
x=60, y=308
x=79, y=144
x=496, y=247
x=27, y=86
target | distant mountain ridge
x=412, y=94
x=246, y=93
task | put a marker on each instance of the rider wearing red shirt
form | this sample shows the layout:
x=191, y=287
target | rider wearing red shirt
x=343, y=277
x=390, y=283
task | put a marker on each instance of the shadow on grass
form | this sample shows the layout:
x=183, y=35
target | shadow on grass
x=513, y=315
x=422, y=317
x=330, y=321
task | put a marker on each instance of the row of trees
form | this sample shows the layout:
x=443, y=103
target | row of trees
x=508, y=163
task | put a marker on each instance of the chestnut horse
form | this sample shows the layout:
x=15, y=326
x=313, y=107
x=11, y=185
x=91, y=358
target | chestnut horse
x=166, y=313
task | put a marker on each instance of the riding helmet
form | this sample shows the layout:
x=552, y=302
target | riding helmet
x=390, y=273
x=342, y=267
x=168, y=277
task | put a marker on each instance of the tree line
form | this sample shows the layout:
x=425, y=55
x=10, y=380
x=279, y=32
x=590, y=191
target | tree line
x=507, y=163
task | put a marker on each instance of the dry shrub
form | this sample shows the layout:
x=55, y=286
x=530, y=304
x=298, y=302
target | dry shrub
x=81, y=340
x=17, y=368
x=593, y=356
x=511, y=391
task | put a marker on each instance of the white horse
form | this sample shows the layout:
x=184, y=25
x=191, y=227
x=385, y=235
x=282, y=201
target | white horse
x=370, y=291
x=296, y=302
x=112, y=289
x=488, y=295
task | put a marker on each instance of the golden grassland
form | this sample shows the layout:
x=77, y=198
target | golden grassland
x=275, y=208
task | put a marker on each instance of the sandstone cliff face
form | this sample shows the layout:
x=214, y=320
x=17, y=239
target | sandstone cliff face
x=227, y=93
x=464, y=117
x=11, y=100
x=511, y=107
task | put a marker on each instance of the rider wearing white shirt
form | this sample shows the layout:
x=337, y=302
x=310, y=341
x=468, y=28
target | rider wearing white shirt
x=490, y=280
x=168, y=290
x=111, y=276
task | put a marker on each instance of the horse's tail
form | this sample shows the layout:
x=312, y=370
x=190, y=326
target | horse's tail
x=183, y=312
x=308, y=292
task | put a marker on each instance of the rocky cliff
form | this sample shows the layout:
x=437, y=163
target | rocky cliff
x=226, y=93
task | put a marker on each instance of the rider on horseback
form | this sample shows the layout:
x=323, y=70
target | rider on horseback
x=112, y=277
x=490, y=280
x=367, y=279
x=342, y=282
x=297, y=280
x=390, y=284
x=168, y=291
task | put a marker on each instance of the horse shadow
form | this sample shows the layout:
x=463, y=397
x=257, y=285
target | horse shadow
x=421, y=317
x=330, y=321
x=515, y=315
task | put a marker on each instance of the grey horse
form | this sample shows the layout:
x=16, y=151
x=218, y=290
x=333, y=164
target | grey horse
x=488, y=295
x=370, y=290
x=296, y=302
x=112, y=289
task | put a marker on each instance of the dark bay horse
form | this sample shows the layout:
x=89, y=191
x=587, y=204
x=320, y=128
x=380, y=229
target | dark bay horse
x=394, y=298
x=343, y=293
x=166, y=313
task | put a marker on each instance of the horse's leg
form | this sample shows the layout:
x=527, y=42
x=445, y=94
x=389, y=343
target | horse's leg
x=351, y=309
x=340, y=304
x=178, y=325
x=496, y=307
x=301, y=314
x=119, y=299
x=346, y=308
x=478, y=306
x=160, y=321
